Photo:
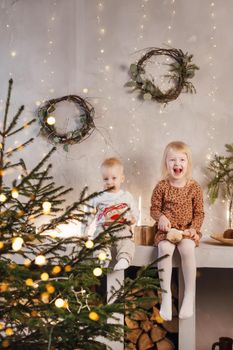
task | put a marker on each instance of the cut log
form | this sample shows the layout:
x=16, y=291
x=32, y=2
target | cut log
x=139, y=316
x=145, y=342
x=131, y=324
x=157, y=333
x=130, y=346
x=156, y=316
x=146, y=325
x=165, y=344
x=172, y=326
x=134, y=335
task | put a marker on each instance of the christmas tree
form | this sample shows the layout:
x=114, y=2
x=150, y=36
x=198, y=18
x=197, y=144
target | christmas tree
x=48, y=293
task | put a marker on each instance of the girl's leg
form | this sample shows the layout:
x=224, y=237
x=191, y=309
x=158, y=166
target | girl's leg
x=187, y=252
x=165, y=265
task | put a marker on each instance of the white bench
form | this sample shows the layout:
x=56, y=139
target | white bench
x=209, y=254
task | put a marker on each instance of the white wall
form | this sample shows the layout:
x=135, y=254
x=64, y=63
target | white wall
x=58, y=47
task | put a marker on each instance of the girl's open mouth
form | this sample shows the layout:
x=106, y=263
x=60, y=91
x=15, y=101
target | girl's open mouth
x=177, y=171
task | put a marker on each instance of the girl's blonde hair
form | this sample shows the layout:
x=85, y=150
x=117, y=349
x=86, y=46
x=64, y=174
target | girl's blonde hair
x=178, y=146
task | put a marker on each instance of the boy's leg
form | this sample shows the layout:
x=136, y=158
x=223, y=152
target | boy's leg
x=165, y=274
x=125, y=248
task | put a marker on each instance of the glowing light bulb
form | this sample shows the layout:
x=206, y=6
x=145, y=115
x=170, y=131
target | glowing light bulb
x=51, y=120
x=14, y=193
x=46, y=207
x=56, y=270
x=13, y=53
x=44, y=276
x=89, y=244
x=102, y=256
x=85, y=90
x=29, y=282
x=97, y=271
x=40, y=260
x=68, y=268
x=2, y=197
x=9, y=331
x=45, y=297
x=94, y=316
x=27, y=262
x=59, y=302
x=17, y=243
x=50, y=288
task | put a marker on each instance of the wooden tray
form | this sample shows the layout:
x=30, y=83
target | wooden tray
x=219, y=237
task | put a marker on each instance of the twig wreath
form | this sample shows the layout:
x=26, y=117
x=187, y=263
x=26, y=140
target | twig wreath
x=47, y=121
x=181, y=70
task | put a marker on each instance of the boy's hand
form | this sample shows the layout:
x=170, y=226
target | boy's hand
x=164, y=224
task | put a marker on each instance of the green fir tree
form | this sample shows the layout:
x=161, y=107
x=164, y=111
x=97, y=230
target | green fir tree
x=49, y=296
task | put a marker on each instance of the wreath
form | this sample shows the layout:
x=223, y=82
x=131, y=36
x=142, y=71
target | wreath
x=180, y=71
x=84, y=129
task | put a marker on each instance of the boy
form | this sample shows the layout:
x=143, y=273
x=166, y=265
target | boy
x=110, y=205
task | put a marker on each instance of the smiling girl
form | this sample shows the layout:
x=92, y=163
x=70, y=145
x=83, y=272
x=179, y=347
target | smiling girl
x=177, y=202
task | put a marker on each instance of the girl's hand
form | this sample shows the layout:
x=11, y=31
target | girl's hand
x=192, y=233
x=164, y=224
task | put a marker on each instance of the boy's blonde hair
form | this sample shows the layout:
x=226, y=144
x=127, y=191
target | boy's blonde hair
x=111, y=162
x=178, y=146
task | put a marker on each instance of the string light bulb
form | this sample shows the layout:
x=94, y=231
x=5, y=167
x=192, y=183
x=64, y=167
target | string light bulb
x=44, y=276
x=9, y=331
x=29, y=282
x=102, y=256
x=59, y=302
x=46, y=207
x=14, y=193
x=2, y=197
x=97, y=271
x=89, y=244
x=56, y=270
x=51, y=120
x=45, y=297
x=50, y=288
x=94, y=316
x=17, y=243
x=40, y=260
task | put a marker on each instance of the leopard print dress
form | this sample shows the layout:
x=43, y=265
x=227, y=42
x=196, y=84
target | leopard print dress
x=183, y=206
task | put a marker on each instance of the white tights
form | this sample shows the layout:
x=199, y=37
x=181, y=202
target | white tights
x=186, y=249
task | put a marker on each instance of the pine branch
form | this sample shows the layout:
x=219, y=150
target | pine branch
x=21, y=128
x=7, y=105
x=14, y=121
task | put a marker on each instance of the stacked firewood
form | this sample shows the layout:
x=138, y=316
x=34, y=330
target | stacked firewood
x=146, y=329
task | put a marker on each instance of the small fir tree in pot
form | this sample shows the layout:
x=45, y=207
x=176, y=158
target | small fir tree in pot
x=221, y=168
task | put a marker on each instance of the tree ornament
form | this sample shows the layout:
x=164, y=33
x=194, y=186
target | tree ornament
x=48, y=121
x=180, y=71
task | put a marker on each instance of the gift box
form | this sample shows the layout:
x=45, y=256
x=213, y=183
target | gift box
x=144, y=235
